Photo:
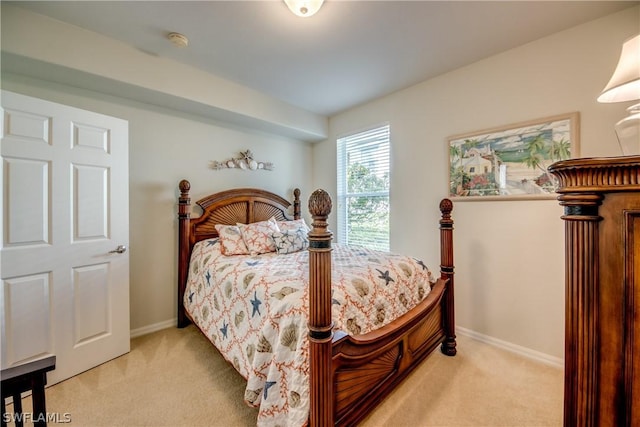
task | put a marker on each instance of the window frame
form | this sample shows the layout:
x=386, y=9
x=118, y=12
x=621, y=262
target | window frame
x=380, y=132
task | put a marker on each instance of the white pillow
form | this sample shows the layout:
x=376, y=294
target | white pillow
x=257, y=236
x=231, y=242
x=293, y=225
x=289, y=241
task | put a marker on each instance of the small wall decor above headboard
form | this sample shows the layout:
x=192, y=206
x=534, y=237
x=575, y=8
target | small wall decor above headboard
x=245, y=161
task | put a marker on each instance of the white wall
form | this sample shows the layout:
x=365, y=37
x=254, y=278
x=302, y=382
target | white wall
x=509, y=255
x=164, y=147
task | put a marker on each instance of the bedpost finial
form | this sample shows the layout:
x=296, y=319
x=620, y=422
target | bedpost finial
x=320, y=204
x=184, y=186
x=446, y=206
x=296, y=193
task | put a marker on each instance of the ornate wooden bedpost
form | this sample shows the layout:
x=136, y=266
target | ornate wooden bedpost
x=184, y=213
x=296, y=204
x=446, y=272
x=320, y=324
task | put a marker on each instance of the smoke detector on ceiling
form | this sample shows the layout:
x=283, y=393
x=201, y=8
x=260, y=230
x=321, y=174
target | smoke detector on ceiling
x=179, y=40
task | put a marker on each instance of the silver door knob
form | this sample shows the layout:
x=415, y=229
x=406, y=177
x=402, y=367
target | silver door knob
x=119, y=250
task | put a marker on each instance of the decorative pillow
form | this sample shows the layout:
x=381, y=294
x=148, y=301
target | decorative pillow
x=290, y=241
x=231, y=242
x=257, y=236
x=293, y=225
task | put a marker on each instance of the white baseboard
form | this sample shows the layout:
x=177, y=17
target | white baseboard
x=538, y=356
x=153, y=328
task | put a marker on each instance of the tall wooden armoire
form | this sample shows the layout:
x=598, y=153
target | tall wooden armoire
x=601, y=199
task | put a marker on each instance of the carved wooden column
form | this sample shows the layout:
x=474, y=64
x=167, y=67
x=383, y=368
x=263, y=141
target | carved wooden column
x=582, y=336
x=184, y=213
x=446, y=272
x=320, y=324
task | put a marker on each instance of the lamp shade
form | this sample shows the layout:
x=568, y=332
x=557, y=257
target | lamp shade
x=304, y=8
x=625, y=82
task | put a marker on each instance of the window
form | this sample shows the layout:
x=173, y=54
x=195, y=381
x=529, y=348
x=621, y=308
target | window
x=363, y=189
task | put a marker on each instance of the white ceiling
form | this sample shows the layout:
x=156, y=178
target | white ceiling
x=349, y=53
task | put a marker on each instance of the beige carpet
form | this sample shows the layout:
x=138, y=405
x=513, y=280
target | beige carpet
x=175, y=377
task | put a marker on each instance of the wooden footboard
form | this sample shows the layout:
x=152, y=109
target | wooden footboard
x=367, y=367
x=349, y=375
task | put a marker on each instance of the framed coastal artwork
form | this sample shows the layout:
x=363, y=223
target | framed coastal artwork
x=511, y=162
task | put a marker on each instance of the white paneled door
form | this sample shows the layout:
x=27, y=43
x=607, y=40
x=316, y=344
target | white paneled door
x=64, y=261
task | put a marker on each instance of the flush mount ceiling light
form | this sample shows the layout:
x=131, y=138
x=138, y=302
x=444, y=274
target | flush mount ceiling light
x=304, y=8
x=179, y=40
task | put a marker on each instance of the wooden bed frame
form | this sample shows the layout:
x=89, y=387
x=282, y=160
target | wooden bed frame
x=349, y=375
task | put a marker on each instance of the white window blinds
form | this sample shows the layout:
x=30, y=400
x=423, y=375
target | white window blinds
x=363, y=188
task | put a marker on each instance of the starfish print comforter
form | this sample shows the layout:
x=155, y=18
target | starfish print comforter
x=254, y=310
